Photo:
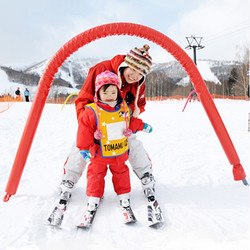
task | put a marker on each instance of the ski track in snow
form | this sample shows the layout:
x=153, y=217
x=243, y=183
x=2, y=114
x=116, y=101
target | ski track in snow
x=204, y=207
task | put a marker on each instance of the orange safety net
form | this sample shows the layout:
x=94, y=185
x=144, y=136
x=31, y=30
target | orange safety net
x=7, y=101
x=180, y=97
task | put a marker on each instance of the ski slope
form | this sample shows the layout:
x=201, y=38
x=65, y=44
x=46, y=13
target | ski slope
x=204, y=207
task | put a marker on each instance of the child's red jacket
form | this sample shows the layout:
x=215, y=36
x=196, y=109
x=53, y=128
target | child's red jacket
x=87, y=126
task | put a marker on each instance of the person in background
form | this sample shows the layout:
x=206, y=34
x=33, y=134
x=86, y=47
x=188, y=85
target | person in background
x=26, y=94
x=18, y=92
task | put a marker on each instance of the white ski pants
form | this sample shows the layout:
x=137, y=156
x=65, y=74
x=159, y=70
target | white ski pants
x=138, y=159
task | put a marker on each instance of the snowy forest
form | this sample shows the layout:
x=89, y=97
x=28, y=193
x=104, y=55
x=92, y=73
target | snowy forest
x=233, y=80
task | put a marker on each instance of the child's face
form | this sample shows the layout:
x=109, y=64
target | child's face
x=131, y=75
x=108, y=95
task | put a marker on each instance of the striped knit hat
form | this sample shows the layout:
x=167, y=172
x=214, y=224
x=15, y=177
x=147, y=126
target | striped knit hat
x=104, y=78
x=139, y=60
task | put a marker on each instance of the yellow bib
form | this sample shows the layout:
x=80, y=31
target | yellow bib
x=112, y=124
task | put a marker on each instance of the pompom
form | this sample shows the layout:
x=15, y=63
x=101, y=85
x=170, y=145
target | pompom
x=127, y=132
x=98, y=134
x=146, y=47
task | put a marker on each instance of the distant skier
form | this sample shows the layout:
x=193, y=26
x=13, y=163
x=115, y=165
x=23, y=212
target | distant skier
x=18, y=92
x=18, y=95
x=27, y=95
x=102, y=138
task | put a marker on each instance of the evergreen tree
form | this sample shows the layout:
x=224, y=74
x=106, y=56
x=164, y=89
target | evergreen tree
x=232, y=80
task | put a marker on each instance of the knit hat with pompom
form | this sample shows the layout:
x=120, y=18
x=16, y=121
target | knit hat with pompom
x=139, y=60
x=104, y=78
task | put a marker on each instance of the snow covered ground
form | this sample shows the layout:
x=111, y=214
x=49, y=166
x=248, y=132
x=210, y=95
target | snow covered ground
x=204, y=207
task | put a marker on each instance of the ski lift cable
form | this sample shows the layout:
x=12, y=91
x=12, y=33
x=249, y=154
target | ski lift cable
x=221, y=34
x=231, y=28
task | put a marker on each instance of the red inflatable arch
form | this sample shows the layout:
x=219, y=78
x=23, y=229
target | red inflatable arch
x=98, y=32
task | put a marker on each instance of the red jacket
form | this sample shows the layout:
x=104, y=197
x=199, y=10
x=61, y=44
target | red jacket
x=87, y=126
x=86, y=95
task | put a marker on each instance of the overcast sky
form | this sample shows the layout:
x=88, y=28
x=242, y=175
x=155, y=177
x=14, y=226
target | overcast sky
x=33, y=30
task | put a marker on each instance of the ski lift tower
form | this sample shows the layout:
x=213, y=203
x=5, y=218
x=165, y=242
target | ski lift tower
x=195, y=44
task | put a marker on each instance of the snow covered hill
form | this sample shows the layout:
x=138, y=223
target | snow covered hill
x=204, y=207
x=71, y=75
x=205, y=71
x=74, y=71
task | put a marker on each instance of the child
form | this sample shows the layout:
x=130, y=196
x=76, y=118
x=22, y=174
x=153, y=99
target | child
x=102, y=138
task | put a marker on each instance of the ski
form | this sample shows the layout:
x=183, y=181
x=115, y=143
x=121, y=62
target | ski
x=88, y=218
x=155, y=217
x=89, y=215
x=56, y=217
x=128, y=215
